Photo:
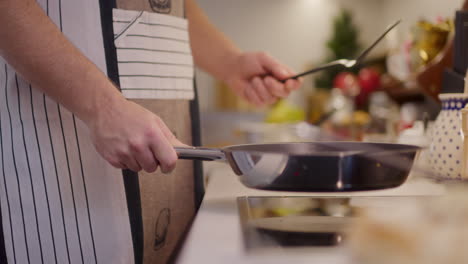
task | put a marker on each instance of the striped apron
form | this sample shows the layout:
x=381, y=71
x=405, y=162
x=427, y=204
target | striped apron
x=60, y=201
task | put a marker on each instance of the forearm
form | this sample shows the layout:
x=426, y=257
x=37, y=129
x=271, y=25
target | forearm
x=39, y=52
x=212, y=51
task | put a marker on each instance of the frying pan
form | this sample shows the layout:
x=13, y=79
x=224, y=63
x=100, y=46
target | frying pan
x=314, y=166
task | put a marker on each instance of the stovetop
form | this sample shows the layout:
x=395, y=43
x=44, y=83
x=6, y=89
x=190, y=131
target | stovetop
x=288, y=222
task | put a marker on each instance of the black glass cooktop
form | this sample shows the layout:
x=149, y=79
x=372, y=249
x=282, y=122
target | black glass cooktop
x=303, y=221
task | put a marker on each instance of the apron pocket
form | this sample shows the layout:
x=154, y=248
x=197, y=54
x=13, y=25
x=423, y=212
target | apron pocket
x=154, y=56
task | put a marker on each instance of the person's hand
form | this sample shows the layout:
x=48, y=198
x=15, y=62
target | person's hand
x=129, y=136
x=256, y=78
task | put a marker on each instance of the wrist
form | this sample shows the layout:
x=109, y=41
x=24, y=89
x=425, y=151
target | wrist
x=103, y=105
x=230, y=60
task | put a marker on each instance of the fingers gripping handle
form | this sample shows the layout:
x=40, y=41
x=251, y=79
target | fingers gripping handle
x=195, y=153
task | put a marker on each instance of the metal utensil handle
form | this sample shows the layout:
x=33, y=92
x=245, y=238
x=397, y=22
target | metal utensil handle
x=365, y=52
x=194, y=153
x=342, y=61
x=320, y=68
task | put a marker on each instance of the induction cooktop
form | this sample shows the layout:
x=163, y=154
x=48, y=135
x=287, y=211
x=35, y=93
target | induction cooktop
x=288, y=222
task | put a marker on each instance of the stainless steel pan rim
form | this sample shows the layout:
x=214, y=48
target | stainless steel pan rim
x=314, y=166
x=253, y=148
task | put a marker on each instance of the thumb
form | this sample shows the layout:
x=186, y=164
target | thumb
x=177, y=143
x=272, y=66
x=169, y=135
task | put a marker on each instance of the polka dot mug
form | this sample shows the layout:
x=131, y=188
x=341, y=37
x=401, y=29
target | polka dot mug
x=446, y=148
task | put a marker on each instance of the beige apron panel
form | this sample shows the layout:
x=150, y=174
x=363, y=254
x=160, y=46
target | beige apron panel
x=162, y=194
x=170, y=7
x=167, y=201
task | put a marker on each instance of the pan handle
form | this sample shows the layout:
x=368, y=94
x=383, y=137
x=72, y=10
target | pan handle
x=194, y=153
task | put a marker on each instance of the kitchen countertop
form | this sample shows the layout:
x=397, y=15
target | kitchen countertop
x=216, y=235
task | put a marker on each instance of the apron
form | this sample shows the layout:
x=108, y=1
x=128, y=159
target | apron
x=60, y=201
x=147, y=32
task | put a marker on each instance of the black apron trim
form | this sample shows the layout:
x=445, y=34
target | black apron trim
x=132, y=191
x=199, y=187
x=3, y=257
x=198, y=183
x=108, y=37
x=130, y=178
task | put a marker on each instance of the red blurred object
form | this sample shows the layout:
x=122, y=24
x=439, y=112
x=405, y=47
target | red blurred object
x=369, y=81
x=404, y=125
x=347, y=82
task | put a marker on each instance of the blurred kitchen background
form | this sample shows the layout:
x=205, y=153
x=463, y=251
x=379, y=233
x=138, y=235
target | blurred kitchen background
x=397, y=87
